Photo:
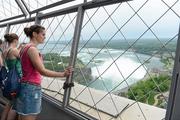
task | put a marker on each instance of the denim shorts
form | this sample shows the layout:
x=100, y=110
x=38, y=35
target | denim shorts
x=29, y=100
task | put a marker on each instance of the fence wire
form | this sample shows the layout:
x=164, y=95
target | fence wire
x=125, y=56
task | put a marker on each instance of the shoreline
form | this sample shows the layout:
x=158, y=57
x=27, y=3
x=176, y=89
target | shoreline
x=125, y=90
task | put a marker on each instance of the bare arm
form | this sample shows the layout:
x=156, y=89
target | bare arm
x=13, y=53
x=39, y=66
x=1, y=59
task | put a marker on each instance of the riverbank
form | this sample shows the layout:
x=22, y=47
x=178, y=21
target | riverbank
x=123, y=91
x=151, y=74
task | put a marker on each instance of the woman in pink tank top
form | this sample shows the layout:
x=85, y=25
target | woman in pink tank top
x=28, y=103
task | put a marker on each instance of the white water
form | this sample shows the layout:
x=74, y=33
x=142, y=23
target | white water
x=123, y=68
x=123, y=73
x=126, y=67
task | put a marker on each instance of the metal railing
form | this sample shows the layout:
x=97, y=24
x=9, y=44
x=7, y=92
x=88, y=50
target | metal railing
x=123, y=54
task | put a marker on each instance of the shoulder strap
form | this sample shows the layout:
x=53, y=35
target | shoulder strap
x=24, y=50
x=5, y=57
x=8, y=52
x=2, y=55
x=1, y=50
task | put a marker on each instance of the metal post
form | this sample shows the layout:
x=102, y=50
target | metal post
x=37, y=20
x=61, y=2
x=173, y=109
x=71, y=9
x=21, y=7
x=74, y=49
x=5, y=44
x=7, y=29
x=25, y=5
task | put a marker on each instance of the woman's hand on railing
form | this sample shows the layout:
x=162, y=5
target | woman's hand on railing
x=68, y=71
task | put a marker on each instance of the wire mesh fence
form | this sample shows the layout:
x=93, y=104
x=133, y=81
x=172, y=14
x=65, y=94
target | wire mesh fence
x=56, y=50
x=9, y=8
x=125, y=54
x=19, y=30
x=124, y=62
x=2, y=32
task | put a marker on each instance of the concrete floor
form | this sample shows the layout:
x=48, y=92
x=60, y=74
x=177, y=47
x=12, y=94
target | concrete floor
x=49, y=112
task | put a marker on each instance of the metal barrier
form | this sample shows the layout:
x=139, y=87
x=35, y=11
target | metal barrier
x=123, y=53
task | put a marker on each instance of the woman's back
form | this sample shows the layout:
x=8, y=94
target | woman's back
x=12, y=60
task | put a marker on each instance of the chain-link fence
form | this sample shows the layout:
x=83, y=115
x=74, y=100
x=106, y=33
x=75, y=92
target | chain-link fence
x=124, y=59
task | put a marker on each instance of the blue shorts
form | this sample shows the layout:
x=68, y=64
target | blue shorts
x=29, y=100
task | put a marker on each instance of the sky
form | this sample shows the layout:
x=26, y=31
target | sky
x=166, y=27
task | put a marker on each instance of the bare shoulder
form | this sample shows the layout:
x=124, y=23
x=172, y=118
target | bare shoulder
x=14, y=50
x=32, y=51
x=6, y=51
